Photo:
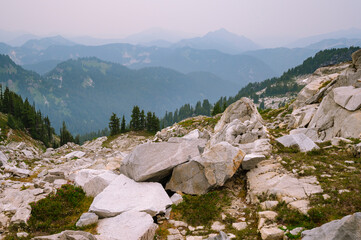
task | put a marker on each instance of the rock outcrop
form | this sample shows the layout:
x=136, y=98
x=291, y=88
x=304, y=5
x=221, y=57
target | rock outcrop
x=329, y=106
x=240, y=123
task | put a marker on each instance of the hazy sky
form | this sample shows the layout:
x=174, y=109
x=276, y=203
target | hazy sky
x=255, y=19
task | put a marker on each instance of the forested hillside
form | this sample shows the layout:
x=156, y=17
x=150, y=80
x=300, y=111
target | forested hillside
x=279, y=86
x=84, y=92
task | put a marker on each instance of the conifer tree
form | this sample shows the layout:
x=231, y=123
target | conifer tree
x=135, y=119
x=114, y=125
x=122, y=127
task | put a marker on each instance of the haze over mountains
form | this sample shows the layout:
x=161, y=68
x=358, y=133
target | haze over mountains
x=83, y=84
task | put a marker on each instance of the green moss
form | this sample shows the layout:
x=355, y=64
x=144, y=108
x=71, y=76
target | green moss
x=203, y=209
x=59, y=211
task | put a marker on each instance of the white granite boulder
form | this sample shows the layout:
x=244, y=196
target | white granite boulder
x=124, y=194
x=213, y=168
x=300, y=140
x=154, y=161
x=348, y=227
x=127, y=226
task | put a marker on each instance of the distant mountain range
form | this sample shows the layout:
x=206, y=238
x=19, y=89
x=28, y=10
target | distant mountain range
x=220, y=40
x=352, y=33
x=240, y=69
x=84, y=92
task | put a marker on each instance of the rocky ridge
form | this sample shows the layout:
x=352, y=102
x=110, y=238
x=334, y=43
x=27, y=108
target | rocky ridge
x=128, y=177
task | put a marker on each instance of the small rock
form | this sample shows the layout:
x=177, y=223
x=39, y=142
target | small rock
x=239, y=225
x=273, y=233
x=343, y=190
x=251, y=160
x=217, y=226
x=326, y=196
x=301, y=205
x=221, y=236
x=60, y=182
x=22, y=234
x=194, y=238
x=268, y=205
x=176, y=198
x=296, y=231
x=270, y=215
x=87, y=219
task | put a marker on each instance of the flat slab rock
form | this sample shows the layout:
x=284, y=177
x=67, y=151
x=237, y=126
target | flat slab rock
x=300, y=140
x=271, y=178
x=127, y=226
x=124, y=194
x=154, y=161
x=348, y=227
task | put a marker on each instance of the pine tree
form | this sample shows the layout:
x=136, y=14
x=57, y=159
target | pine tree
x=135, y=119
x=142, y=121
x=122, y=126
x=65, y=135
x=114, y=125
x=216, y=109
x=149, y=121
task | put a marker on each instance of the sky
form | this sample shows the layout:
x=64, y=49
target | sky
x=258, y=20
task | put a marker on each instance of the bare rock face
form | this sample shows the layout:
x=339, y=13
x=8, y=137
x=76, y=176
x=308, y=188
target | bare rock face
x=271, y=178
x=331, y=120
x=128, y=225
x=348, y=227
x=213, y=168
x=124, y=194
x=154, y=161
x=330, y=104
x=240, y=123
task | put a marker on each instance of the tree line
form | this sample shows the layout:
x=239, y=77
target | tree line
x=139, y=122
x=24, y=116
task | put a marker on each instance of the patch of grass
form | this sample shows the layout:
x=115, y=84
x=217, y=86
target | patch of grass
x=59, y=211
x=333, y=174
x=203, y=209
x=279, y=148
x=162, y=231
x=292, y=218
x=324, y=84
x=186, y=123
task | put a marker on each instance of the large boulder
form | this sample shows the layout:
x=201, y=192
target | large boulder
x=93, y=181
x=127, y=226
x=97, y=184
x=332, y=120
x=216, y=165
x=124, y=194
x=240, y=123
x=299, y=140
x=348, y=227
x=154, y=161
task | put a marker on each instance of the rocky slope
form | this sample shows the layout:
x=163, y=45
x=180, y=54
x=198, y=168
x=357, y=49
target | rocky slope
x=238, y=175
